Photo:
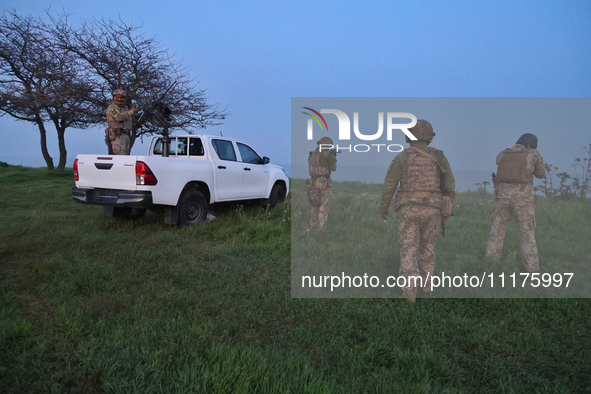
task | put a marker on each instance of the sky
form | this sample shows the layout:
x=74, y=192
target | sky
x=254, y=57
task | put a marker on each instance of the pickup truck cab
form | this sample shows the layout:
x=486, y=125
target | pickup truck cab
x=200, y=170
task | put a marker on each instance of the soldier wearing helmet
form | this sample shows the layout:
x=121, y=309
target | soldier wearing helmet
x=120, y=120
x=321, y=162
x=427, y=189
x=513, y=183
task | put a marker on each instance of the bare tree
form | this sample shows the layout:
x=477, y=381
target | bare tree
x=118, y=56
x=53, y=72
x=40, y=83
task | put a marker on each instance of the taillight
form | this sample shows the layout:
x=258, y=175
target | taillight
x=75, y=168
x=143, y=174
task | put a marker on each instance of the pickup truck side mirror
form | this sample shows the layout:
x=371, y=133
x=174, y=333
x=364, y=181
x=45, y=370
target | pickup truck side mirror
x=266, y=160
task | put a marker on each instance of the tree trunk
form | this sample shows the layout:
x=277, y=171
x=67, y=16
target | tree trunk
x=61, y=142
x=46, y=156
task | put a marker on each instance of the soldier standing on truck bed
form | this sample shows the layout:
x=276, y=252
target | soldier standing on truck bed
x=120, y=120
x=513, y=184
x=424, y=201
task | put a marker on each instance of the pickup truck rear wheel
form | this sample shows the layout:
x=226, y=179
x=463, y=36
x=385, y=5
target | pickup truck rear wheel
x=277, y=195
x=192, y=207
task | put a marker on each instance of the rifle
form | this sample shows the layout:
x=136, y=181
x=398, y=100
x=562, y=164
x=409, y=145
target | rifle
x=148, y=111
x=334, y=152
x=443, y=223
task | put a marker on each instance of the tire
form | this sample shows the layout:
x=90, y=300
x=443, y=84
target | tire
x=192, y=207
x=277, y=195
x=129, y=213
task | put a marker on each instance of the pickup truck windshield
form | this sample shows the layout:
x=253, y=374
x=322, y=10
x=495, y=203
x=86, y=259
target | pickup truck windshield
x=248, y=154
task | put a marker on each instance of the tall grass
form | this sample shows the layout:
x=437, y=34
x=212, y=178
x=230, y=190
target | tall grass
x=358, y=242
x=90, y=304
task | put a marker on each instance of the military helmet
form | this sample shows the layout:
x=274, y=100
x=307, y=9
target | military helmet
x=119, y=92
x=423, y=131
x=324, y=140
x=528, y=139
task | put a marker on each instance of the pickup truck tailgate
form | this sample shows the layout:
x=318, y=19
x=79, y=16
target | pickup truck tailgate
x=104, y=171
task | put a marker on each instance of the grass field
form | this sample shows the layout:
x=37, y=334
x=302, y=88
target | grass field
x=358, y=242
x=96, y=305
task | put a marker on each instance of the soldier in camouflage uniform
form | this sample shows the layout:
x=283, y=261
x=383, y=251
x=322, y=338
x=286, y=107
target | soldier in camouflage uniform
x=426, y=180
x=120, y=120
x=321, y=163
x=513, y=182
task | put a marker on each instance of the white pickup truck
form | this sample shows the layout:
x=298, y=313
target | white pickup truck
x=199, y=171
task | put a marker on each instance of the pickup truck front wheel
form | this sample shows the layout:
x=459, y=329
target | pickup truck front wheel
x=277, y=195
x=192, y=207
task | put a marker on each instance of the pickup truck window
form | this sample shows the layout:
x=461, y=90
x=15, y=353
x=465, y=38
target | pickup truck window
x=178, y=146
x=224, y=149
x=158, y=147
x=195, y=147
x=248, y=154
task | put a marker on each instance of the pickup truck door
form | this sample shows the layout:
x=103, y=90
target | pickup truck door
x=256, y=174
x=228, y=171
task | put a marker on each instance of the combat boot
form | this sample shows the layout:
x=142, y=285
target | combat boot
x=410, y=297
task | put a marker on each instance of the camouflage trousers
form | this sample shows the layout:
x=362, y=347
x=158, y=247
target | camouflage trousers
x=417, y=234
x=121, y=145
x=319, y=214
x=524, y=212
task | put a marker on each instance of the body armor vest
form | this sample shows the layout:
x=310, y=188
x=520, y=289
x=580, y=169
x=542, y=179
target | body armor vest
x=512, y=167
x=421, y=185
x=114, y=124
x=315, y=166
